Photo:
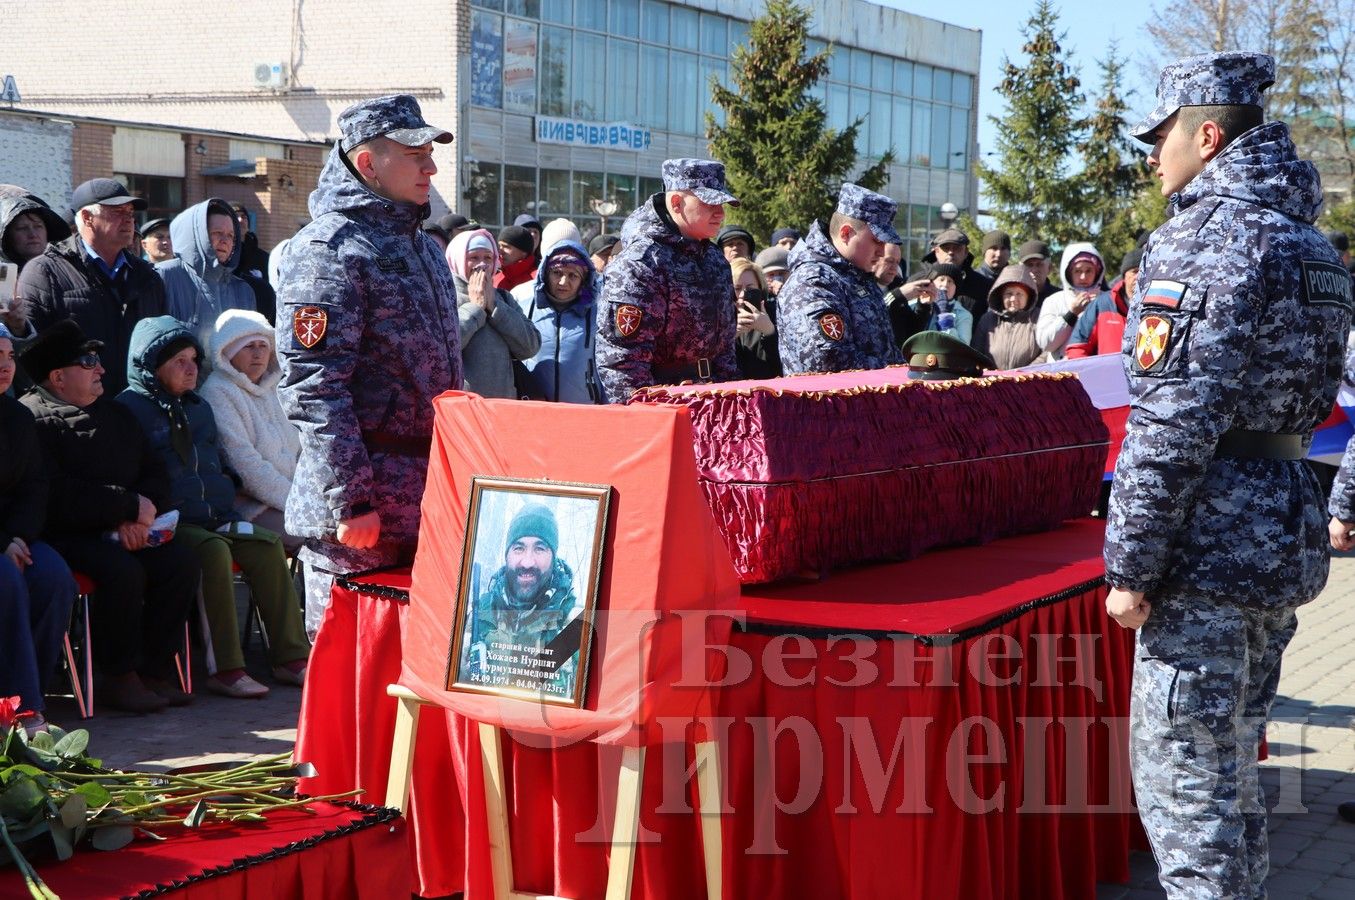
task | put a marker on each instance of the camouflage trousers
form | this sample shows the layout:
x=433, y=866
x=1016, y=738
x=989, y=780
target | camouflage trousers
x=1205, y=675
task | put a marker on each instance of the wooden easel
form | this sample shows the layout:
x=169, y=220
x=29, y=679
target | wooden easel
x=625, y=829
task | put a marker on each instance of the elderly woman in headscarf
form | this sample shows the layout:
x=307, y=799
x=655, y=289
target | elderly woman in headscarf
x=494, y=331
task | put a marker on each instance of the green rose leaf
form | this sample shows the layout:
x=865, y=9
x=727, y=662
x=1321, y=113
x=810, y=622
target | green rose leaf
x=95, y=794
x=196, y=814
x=73, y=810
x=63, y=839
x=72, y=746
x=114, y=837
x=21, y=797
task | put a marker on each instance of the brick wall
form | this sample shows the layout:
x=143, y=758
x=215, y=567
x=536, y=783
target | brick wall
x=91, y=152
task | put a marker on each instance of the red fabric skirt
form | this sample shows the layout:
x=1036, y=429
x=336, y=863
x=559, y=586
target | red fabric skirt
x=843, y=745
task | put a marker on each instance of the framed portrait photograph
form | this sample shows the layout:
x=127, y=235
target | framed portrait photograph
x=528, y=589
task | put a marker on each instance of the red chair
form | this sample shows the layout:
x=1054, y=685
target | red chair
x=82, y=681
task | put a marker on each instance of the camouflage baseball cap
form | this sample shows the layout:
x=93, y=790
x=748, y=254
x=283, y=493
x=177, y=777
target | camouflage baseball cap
x=1214, y=79
x=876, y=210
x=703, y=177
x=396, y=116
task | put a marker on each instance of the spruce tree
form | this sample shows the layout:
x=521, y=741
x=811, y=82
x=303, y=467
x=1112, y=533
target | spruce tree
x=1029, y=191
x=781, y=160
x=1114, y=169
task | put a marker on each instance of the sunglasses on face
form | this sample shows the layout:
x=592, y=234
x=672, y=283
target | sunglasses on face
x=87, y=360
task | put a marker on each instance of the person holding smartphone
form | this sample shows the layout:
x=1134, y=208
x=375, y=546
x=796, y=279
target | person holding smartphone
x=756, y=349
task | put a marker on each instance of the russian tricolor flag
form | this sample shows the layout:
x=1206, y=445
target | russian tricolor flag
x=1164, y=293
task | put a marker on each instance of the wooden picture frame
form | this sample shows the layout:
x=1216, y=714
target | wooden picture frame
x=531, y=569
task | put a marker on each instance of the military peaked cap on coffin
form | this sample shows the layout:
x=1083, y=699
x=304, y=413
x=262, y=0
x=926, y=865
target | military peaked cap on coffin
x=936, y=356
x=396, y=116
x=876, y=210
x=703, y=177
x=1214, y=79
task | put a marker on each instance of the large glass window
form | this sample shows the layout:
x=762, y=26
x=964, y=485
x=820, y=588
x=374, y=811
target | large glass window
x=519, y=191
x=485, y=184
x=623, y=65
x=685, y=97
x=553, y=64
x=903, y=77
x=714, y=35
x=653, y=87
x=738, y=35
x=959, y=139
x=839, y=106
x=561, y=11
x=486, y=60
x=626, y=18
x=654, y=21
x=621, y=188
x=922, y=134
x=961, y=90
x=860, y=68
x=519, y=66
x=861, y=110
x=649, y=187
x=882, y=73
x=554, y=199
x=878, y=124
x=590, y=75
x=587, y=186
x=716, y=68
x=901, y=132
x=591, y=14
x=488, y=4
x=941, y=82
x=686, y=30
x=922, y=81
x=528, y=9
x=163, y=194
x=940, y=136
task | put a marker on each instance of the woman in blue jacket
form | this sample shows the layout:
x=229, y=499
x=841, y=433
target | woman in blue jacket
x=561, y=306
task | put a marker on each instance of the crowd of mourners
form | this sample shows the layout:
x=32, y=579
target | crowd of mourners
x=147, y=458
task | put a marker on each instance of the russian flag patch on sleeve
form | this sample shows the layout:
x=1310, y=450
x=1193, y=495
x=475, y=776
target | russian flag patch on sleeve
x=1164, y=293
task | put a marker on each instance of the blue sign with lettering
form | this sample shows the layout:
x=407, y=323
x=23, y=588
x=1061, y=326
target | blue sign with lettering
x=582, y=133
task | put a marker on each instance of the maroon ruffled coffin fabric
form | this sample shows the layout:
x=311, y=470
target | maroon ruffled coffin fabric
x=810, y=473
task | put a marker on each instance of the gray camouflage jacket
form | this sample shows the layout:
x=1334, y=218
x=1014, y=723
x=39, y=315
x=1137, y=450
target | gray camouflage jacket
x=1239, y=321
x=367, y=337
x=667, y=303
x=831, y=316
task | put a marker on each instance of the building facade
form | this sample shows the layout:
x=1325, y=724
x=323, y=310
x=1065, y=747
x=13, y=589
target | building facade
x=555, y=103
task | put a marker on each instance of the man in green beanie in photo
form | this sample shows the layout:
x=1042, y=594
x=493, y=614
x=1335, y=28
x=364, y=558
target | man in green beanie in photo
x=528, y=602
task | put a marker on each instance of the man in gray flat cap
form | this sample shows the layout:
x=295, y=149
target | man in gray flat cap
x=668, y=313
x=367, y=336
x=832, y=314
x=1216, y=531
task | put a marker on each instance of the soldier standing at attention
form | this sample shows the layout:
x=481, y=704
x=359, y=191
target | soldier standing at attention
x=832, y=314
x=1216, y=532
x=668, y=312
x=367, y=337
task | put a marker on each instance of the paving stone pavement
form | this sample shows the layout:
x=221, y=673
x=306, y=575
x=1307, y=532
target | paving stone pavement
x=1310, y=770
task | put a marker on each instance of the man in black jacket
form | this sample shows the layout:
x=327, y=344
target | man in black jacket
x=952, y=246
x=91, y=278
x=105, y=486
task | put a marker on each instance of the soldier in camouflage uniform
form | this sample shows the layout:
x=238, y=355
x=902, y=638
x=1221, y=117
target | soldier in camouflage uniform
x=1234, y=343
x=668, y=312
x=831, y=312
x=367, y=337
x=529, y=600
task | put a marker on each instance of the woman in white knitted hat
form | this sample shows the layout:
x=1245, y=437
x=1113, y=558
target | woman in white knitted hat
x=257, y=440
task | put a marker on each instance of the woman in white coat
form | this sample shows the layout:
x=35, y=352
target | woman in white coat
x=257, y=440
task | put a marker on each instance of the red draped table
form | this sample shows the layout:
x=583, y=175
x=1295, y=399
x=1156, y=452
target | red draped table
x=952, y=726
x=338, y=852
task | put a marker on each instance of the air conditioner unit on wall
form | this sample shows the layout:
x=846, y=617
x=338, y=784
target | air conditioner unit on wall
x=270, y=75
